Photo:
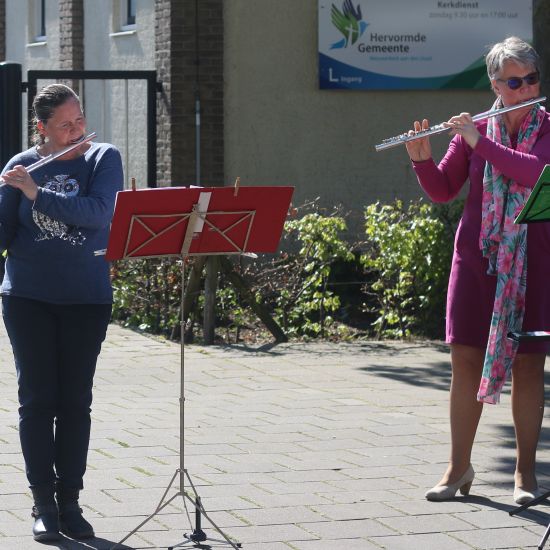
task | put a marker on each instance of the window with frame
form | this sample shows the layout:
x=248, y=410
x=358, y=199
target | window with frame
x=37, y=12
x=131, y=12
x=128, y=15
x=124, y=17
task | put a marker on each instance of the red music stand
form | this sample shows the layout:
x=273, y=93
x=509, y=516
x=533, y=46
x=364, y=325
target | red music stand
x=182, y=222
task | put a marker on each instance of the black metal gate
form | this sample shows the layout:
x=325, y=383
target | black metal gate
x=11, y=88
x=11, y=135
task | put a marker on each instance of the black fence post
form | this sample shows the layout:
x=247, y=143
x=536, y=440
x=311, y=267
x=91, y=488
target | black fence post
x=11, y=133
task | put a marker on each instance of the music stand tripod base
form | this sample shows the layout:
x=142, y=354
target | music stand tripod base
x=198, y=535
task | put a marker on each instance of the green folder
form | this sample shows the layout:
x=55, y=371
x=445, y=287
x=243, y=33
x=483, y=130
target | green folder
x=537, y=207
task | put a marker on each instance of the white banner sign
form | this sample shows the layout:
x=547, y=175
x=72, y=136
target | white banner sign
x=420, y=44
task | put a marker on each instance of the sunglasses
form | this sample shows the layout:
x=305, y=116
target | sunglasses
x=515, y=82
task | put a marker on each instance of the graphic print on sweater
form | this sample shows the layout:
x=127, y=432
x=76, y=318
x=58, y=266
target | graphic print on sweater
x=63, y=184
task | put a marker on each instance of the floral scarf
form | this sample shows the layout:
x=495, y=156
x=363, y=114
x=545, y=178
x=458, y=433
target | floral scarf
x=504, y=244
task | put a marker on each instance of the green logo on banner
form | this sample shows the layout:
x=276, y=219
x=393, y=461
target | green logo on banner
x=349, y=22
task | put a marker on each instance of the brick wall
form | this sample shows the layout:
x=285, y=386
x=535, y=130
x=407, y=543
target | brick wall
x=2, y=30
x=71, y=34
x=176, y=47
x=163, y=63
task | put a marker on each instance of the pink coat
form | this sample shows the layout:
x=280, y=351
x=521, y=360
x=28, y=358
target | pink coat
x=471, y=291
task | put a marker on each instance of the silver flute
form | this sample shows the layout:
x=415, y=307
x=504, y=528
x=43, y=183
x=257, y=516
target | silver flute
x=52, y=156
x=440, y=128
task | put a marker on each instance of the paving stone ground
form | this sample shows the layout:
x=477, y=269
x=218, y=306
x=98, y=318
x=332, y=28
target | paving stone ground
x=301, y=446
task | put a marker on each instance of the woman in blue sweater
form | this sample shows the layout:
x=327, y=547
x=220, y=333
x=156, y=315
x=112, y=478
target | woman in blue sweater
x=57, y=299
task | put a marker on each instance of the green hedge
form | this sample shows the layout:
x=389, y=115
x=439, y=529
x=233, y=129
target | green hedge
x=392, y=284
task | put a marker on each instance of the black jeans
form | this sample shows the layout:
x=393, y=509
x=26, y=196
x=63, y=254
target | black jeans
x=55, y=349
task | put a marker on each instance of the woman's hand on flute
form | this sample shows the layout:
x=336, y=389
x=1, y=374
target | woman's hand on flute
x=19, y=178
x=419, y=149
x=463, y=125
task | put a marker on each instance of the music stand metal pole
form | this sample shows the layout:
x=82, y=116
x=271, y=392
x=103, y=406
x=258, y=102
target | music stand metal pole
x=198, y=535
x=519, y=337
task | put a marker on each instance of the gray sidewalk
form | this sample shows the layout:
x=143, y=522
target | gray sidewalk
x=302, y=446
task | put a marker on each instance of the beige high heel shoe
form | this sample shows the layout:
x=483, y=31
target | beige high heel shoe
x=446, y=492
x=521, y=496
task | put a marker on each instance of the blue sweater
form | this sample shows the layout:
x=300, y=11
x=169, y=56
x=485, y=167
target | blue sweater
x=51, y=243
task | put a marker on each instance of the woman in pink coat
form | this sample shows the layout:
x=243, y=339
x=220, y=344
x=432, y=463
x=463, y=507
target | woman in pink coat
x=499, y=273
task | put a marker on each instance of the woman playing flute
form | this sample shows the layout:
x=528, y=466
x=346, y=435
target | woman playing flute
x=499, y=273
x=56, y=300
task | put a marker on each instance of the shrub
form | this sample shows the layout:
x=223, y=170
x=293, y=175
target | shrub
x=405, y=260
x=408, y=258
x=303, y=303
x=146, y=294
